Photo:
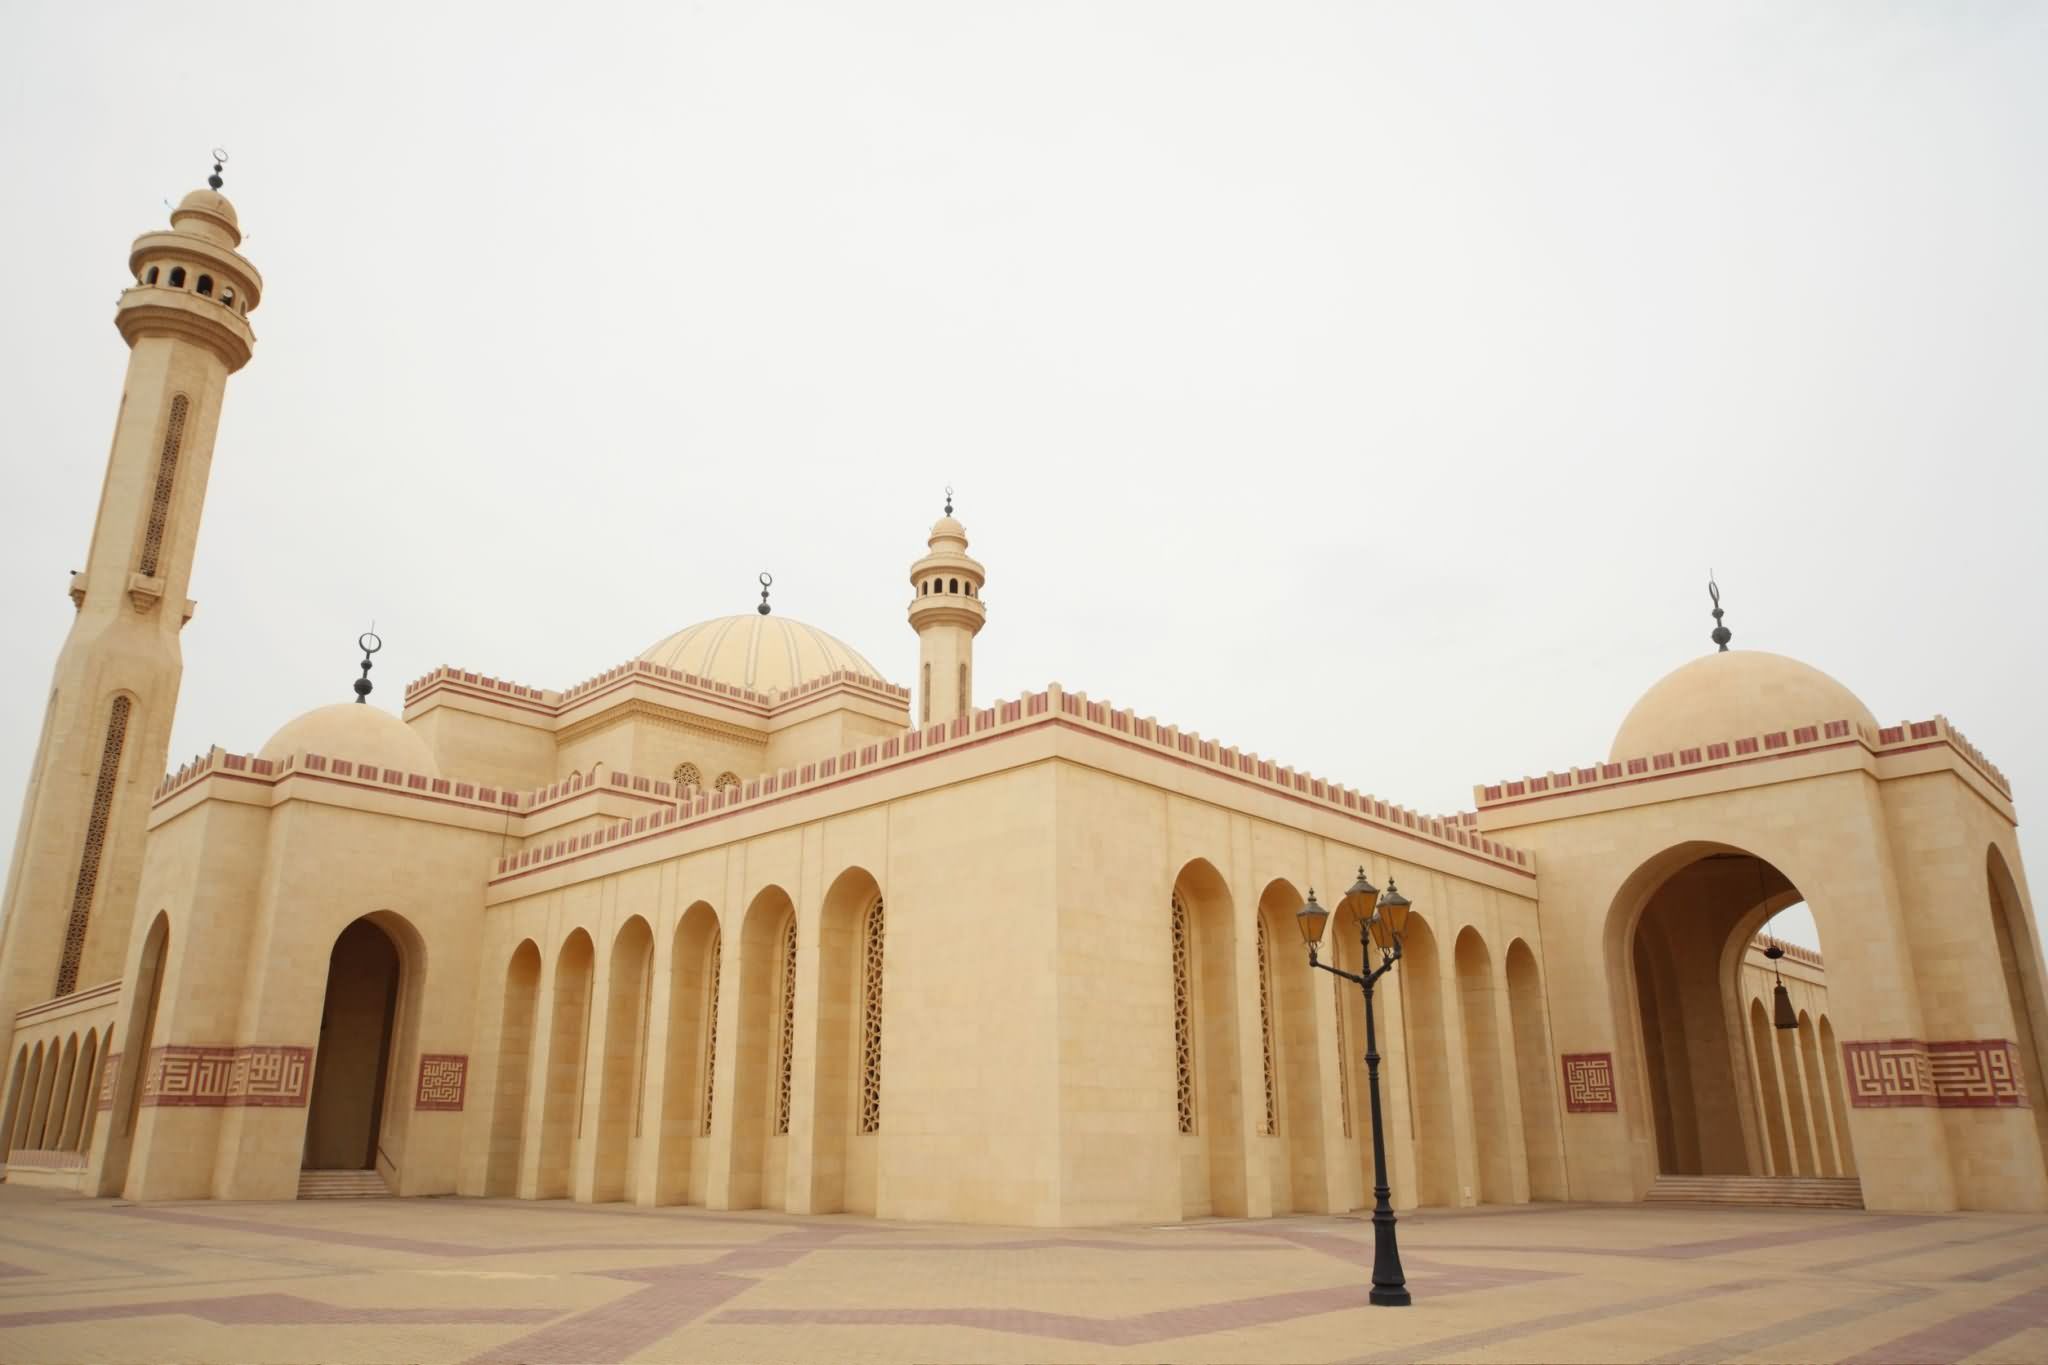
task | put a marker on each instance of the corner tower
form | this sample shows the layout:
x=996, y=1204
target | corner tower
x=947, y=613
x=70, y=892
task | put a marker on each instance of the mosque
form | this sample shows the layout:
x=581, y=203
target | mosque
x=741, y=922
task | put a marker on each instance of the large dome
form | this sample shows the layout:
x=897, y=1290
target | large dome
x=1733, y=696
x=765, y=653
x=357, y=732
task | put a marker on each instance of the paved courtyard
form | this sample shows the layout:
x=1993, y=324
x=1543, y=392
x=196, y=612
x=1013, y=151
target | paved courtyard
x=494, y=1280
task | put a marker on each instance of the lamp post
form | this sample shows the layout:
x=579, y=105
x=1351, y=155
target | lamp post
x=1382, y=917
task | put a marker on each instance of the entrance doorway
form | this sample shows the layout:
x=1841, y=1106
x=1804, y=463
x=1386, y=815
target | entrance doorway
x=353, y=1063
x=1744, y=1077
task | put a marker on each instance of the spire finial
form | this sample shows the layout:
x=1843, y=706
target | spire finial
x=949, y=499
x=369, y=642
x=1722, y=635
x=766, y=580
x=214, y=181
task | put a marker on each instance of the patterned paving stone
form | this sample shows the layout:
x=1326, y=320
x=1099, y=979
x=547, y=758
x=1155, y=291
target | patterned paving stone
x=496, y=1280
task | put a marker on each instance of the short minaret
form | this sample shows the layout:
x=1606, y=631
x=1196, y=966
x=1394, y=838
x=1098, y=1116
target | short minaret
x=946, y=612
x=70, y=893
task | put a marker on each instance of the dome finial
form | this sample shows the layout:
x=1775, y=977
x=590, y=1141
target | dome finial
x=1722, y=635
x=214, y=181
x=766, y=580
x=949, y=499
x=369, y=642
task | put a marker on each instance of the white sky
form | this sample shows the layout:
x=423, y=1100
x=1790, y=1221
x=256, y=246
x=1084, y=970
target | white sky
x=1369, y=385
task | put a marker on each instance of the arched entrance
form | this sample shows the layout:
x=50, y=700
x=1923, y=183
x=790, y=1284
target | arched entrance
x=352, y=1066
x=1737, y=1079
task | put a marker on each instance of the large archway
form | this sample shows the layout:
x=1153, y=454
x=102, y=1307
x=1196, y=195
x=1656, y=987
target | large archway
x=1736, y=1073
x=352, y=1065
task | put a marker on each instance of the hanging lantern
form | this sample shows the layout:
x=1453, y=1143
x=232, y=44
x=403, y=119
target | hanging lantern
x=1782, y=1015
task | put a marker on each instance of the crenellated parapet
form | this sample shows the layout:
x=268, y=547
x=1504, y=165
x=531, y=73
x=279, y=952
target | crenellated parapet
x=1054, y=706
x=765, y=703
x=1732, y=752
x=371, y=775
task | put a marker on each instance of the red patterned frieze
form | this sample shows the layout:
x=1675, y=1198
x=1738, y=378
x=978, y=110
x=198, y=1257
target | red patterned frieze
x=222, y=1077
x=1889, y=1074
x=443, y=1076
x=1589, y=1083
x=1977, y=1073
x=1966, y=1073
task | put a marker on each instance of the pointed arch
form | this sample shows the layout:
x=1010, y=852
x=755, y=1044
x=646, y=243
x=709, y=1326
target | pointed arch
x=2019, y=962
x=758, y=1152
x=691, y=1076
x=1485, y=1077
x=621, y=1067
x=1428, y=1065
x=1541, y=1137
x=1776, y=1133
x=562, y=1086
x=1296, y=1163
x=140, y=1032
x=848, y=1073
x=1213, y=1175
x=515, y=1065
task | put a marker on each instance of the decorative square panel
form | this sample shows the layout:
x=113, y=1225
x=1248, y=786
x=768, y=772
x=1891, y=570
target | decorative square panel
x=1589, y=1083
x=443, y=1078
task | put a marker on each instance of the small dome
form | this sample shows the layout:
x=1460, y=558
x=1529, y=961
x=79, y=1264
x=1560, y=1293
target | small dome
x=765, y=653
x=208, y=214
x=947, y=526
x=357, y=732
x=1733, y=696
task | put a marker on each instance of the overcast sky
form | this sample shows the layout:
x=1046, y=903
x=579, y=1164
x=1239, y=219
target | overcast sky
x=1370, y=385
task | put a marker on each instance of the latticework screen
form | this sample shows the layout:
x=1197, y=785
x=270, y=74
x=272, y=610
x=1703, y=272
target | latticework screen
x=1183, y=1021
x=871, y=1025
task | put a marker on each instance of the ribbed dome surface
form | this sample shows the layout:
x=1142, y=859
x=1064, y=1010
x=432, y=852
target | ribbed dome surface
x=358, y=733
x=765, y=653
x=1733, y=696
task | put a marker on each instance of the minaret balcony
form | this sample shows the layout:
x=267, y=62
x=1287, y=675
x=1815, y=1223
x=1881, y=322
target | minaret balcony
x=158, y=310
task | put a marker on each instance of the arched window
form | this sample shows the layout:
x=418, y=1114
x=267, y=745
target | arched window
x=952, y=585
x=938, y=585
x=177, y=277
x=924, y=589
x=150, y=276
x=729, y=782
x=227, y=295
x=970, y=587
x=871, y=1024
x=1183, y=1022
x=687, y=776
x=787, y=1042
x=206, y=286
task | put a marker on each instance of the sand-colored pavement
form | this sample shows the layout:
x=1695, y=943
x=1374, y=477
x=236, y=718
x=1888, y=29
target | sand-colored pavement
x=493, y=1280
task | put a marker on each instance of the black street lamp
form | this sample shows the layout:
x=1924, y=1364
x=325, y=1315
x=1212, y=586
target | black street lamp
x=1382, y=916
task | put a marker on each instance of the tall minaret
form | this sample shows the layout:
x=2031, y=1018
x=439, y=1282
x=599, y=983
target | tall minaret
x=70, y=894
x=947, y=612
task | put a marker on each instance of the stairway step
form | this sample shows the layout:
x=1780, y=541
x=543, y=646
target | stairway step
x=342, y=1185
x=1809, y=1192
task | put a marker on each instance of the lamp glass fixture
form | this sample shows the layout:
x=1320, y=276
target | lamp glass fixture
x=1310, y=919
x=1390, y=918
